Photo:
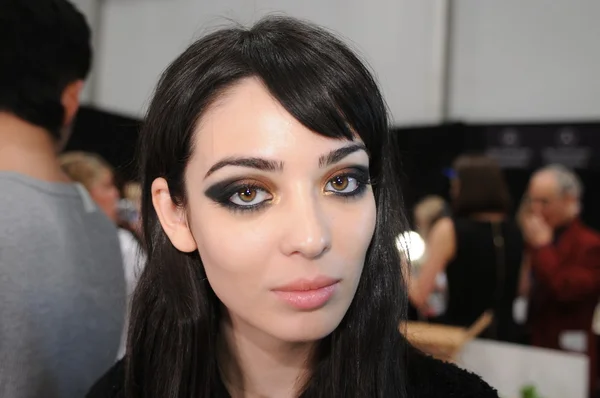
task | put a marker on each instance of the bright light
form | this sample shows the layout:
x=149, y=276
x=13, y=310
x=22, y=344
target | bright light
x=411, y=244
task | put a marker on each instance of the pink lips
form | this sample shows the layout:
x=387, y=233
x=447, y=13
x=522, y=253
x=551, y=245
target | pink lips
x=306, y=294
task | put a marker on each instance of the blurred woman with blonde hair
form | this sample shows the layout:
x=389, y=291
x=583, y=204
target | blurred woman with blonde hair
x=427, y=212
x=97, y=176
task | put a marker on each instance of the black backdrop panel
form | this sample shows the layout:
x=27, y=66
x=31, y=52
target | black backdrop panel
x=531, y=146
x=112, y=136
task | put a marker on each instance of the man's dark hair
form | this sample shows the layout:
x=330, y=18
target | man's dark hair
x=45, y=46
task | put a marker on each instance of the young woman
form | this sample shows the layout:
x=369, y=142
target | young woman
x=480, y=249
x=270, y=210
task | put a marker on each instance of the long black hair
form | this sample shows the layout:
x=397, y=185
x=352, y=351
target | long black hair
x=172, y=343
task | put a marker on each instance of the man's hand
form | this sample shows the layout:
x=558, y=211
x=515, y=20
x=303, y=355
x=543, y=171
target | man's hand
x=536, y=231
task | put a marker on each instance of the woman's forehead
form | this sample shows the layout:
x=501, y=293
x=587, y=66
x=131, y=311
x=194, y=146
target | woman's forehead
x=248, y=121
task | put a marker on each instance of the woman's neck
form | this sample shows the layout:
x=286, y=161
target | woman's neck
x=255, y=365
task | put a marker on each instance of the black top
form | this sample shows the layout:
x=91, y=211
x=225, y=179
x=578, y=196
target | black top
x=481, y=278
x=427, y=378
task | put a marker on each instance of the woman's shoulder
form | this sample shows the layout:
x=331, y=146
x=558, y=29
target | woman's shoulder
x=429, y=377
x=111, y=384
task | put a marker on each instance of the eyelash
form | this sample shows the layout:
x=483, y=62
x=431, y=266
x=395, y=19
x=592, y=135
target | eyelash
x=222, y=193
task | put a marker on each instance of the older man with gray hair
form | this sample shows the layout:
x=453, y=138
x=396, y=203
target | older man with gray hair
x=565, y=258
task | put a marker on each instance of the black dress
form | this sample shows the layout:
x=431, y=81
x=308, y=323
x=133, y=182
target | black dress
x=427, y=378
x=483, y=276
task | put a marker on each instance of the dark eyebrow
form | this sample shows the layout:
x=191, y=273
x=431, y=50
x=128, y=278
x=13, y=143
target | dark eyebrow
x=338, y=154
x=271, y=165
x=254, y=163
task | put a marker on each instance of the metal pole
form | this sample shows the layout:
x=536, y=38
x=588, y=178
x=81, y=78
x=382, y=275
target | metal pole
x=96, y=25
x=442, y=57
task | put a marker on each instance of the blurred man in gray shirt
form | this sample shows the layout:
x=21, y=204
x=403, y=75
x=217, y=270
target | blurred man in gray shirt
x=62, y=289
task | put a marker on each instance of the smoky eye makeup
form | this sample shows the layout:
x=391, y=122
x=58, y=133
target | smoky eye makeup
x=250, y=195
x=348, y=183
x=236, y=194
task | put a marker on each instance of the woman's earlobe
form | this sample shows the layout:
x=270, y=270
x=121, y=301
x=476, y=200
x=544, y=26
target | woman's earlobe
x=172, y=217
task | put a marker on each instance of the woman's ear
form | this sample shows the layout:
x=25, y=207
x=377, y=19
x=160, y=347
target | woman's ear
x=172, y=217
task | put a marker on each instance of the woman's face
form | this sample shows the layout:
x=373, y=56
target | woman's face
x=282, y=217
x=105, y=194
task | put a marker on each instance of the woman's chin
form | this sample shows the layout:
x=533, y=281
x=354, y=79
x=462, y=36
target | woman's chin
x=306, y=327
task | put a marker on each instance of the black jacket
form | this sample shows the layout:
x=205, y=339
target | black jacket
x=427, y=378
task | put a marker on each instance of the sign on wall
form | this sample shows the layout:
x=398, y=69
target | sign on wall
x=532, y=146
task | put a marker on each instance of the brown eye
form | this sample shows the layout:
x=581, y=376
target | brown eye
x=247, y=194
x=340, y=183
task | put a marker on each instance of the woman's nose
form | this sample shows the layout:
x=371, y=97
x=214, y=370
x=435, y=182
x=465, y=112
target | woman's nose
x=307, y=228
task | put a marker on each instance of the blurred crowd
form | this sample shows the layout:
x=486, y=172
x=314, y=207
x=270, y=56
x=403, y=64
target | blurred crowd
x=538, y=273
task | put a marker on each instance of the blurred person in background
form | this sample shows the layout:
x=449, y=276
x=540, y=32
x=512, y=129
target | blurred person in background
x=521, y=218
x=97, y=176
x=62, y=290
x=565, y=259
x=428, y=211
x=480, y=249
x=132, y=196
x=521, y=306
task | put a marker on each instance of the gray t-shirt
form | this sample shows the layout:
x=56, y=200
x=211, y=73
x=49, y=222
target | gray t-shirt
x=62, y=289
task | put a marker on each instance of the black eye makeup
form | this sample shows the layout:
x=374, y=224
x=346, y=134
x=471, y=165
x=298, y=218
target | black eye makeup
x=349, y=183
x=250, y=195
x=241, y=195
